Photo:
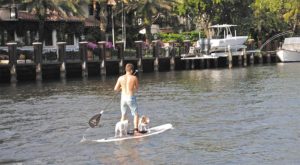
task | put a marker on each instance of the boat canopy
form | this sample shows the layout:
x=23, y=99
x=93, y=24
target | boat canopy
x=222, y=26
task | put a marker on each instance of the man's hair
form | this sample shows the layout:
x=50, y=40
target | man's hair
x=129, y=67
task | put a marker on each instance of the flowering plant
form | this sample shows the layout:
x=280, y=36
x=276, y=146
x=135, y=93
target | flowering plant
x=108, y=44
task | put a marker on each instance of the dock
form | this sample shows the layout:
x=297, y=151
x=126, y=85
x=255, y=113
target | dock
x=40, y=64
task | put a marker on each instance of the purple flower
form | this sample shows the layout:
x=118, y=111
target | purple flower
x=91, y=45
x=108, y=44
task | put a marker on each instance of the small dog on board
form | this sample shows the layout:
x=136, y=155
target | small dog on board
x=121, y=128
x=144, y=124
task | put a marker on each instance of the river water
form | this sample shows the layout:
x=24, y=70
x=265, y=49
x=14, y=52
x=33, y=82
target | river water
x=220, y=116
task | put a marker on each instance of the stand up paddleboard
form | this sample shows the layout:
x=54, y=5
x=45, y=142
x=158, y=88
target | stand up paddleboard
x=151, y=131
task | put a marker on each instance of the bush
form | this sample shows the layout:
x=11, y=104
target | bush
x=193, y=36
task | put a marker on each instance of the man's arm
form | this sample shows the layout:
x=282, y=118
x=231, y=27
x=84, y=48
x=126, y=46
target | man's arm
x=118, y=85
x=136, y=84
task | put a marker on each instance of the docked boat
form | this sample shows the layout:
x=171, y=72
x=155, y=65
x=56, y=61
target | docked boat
x=290, y=50
x=220, y=38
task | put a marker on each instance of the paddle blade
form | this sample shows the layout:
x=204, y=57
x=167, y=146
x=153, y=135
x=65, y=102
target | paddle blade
x=94, y=121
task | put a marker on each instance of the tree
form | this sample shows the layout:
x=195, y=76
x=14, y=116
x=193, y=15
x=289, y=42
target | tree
x=203, y=13
x=278, y=15
x=148, y=11
x=200, y=12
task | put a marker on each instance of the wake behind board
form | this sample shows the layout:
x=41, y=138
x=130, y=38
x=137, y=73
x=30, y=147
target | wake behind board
x=151, y=131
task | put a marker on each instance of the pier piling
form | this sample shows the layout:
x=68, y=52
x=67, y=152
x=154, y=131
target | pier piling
x=12, y=52
x=139, y=54
x=102, y=46
x=187, y=45
x=260, y=58
x=240, y=60
x=215, y=62
x=245, y=57
x=252, y=58
x=156, y=52
x=120, y=47
x=229, y=58
x=172, y=55
x=268, y=57
x=37, y=52
x=61, y=57
x=83, y=55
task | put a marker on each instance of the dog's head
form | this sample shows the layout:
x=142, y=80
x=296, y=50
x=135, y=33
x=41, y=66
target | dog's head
x=144, y=120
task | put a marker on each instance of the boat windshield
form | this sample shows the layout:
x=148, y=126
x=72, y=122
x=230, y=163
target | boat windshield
x=220, y=31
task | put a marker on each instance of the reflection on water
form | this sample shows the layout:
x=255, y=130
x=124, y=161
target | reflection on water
x=221, y=116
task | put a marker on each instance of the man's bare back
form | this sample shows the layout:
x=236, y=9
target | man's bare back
x=128, y=84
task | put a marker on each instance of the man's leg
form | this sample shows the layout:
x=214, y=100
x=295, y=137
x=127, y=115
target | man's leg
x=123, y=110
x=123, y=117
x=136, y=120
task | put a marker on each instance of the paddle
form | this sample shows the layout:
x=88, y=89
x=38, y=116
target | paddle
x=94, y=121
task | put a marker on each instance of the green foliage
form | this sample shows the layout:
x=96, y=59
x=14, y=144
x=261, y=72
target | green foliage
x=276, y=15
x=166, y=37
x=180, y=37
x=148, y=11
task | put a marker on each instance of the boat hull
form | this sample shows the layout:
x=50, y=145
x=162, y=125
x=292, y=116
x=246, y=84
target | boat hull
x=288, y=56
x=221, y=45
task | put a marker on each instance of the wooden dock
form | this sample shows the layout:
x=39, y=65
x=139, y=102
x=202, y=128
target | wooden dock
x=59, y=63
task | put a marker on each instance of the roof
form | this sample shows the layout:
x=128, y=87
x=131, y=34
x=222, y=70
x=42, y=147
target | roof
x=91, y=22
x=25, y=15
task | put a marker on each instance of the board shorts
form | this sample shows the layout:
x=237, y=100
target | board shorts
x=129, y=101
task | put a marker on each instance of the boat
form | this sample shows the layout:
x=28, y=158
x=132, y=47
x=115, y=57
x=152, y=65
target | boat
x=220, y=37
x=290, y=50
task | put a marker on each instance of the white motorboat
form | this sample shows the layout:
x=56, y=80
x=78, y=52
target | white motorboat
x=220, y=38
x=290, y=50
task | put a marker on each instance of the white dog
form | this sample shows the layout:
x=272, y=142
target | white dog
x=144, y=124
x=121, y=128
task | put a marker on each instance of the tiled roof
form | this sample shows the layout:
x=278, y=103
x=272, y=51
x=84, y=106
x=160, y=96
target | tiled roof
x=26, y=16
x=91, y=22
x=23, y=15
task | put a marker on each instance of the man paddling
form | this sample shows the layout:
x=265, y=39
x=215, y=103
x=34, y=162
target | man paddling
x=128, y=85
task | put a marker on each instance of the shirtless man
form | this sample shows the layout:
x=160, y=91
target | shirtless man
x=128, y=84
